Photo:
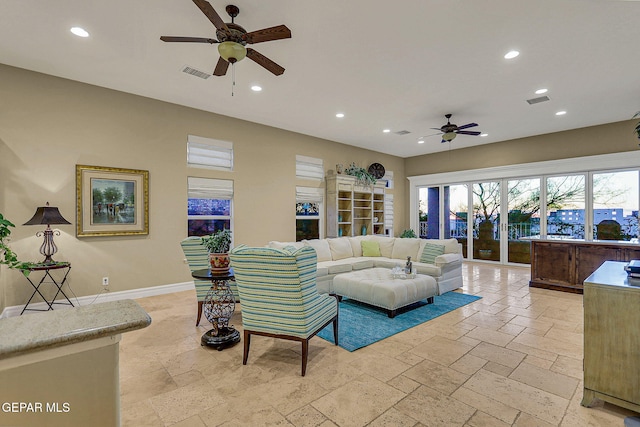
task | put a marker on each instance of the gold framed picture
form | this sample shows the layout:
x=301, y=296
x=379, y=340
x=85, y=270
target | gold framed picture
x=111, y=201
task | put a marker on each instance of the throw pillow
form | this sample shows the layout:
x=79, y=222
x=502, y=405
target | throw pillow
x=370, y=248
x=430, y=252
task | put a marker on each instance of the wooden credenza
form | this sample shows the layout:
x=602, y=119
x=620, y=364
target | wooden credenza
x=611, y=339
x=564, y=264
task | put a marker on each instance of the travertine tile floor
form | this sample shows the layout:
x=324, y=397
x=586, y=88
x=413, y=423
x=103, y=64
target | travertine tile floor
x=513, y=358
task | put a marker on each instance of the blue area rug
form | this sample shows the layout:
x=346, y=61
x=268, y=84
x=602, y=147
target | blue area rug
x=360, y=324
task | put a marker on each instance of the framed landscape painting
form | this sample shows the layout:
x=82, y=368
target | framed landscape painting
x=112, y=201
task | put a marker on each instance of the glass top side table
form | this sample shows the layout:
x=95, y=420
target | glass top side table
x=47, y=268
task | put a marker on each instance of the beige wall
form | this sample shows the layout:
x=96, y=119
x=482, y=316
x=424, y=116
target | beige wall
x=589, y=141
x=48, y=125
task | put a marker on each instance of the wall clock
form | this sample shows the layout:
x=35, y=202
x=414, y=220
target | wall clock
x=377, y=170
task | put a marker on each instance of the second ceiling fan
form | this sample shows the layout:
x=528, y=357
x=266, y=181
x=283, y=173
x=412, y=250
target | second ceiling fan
x=450, y=130
x=232, y=40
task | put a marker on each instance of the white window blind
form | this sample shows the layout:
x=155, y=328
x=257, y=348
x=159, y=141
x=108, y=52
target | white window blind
x=309, y=195
x=309, y=168
x=206, y=188
x=210, y=153
x=388, y=213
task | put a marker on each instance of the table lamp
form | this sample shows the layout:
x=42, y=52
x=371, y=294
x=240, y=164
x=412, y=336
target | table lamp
x=47, y=215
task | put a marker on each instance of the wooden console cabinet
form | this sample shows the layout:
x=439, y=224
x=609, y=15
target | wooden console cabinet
x=564, y=264
x=611, y=339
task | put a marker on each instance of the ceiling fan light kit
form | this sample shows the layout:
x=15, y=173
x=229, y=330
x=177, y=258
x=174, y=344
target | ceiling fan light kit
x=232, y=52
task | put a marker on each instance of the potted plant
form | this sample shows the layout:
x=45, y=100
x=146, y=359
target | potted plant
x=363, y=177
x=218, y=245
x=8, y=257
x=408, y=234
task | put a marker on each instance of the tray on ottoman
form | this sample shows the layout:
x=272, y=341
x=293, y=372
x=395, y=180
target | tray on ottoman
x=376, y=286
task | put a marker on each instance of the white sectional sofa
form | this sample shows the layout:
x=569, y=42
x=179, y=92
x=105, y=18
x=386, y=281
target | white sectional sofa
x=344, y=254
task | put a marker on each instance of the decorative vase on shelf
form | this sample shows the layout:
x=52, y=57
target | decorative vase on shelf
x=339, y=232
x=364, y=230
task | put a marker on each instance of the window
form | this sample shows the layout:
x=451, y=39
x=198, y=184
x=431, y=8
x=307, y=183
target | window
x=309, y=213
x=309, y=168
x=209, y=153
x=210, y=204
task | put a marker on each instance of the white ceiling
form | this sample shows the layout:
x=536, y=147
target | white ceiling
x=400, y=65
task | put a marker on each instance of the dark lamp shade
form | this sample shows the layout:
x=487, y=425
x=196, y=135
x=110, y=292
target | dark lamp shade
x=47, y=215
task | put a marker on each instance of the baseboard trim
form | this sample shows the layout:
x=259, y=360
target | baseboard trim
x=105, y=297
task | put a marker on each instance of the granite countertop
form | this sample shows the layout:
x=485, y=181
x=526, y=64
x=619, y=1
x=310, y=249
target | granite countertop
x=56, y=328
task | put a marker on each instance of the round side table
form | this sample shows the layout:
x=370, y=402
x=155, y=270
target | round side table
x=218, y=307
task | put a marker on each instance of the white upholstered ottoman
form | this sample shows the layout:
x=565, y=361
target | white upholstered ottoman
x=376, y=286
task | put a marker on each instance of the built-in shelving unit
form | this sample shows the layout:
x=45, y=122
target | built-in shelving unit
x=354, y=209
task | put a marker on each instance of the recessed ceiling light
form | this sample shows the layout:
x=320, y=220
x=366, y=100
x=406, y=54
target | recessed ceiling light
x=340, y=115
x=561, y=113
x=80, y=32
x=484, y=134
x=511, y=54
x=421, y=141
x=541, y=91
x=256, y=88
x=386, y=130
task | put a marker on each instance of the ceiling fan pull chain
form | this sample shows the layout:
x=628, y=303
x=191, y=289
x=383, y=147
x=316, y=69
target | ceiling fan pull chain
x=233, y=77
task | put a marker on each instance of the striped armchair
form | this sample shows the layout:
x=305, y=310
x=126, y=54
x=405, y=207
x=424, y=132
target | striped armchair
x=279, y=296
x=198, y=258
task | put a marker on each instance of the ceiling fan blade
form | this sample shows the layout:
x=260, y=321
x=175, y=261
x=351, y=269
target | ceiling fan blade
x=468, y=132
x=211, y=13
x=221, y=67
x=260, y=59
x=468, y=125
x=267, y=34
x=443, y=141
x=188, y=39
x=438, y=129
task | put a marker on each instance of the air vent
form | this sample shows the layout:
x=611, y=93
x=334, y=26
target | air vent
x=194, y=72
x=538, y=100
x=402, y=132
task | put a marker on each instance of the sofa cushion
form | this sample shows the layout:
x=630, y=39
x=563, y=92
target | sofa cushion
x=340, y=248
x=403, y=248
x=281, y=245
x=386, y=245
x=430, y=252
x=370, y=248
x=322, y=248
x=335, y=267
x=451, y=246
x=360, y=263
x=355, y=244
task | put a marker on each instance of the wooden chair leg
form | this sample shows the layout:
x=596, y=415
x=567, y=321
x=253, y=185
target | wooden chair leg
x=247, y=343
x=199, y=312
x=335, y=330
x=305, y=354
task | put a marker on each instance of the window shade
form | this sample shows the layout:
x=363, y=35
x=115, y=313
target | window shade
x=388, y=210
x=309, y=168
x=309, y=194
x=206, y=188
x=206, y=152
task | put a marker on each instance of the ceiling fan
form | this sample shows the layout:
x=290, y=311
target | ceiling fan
x=450, y=130
x=232, y=39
